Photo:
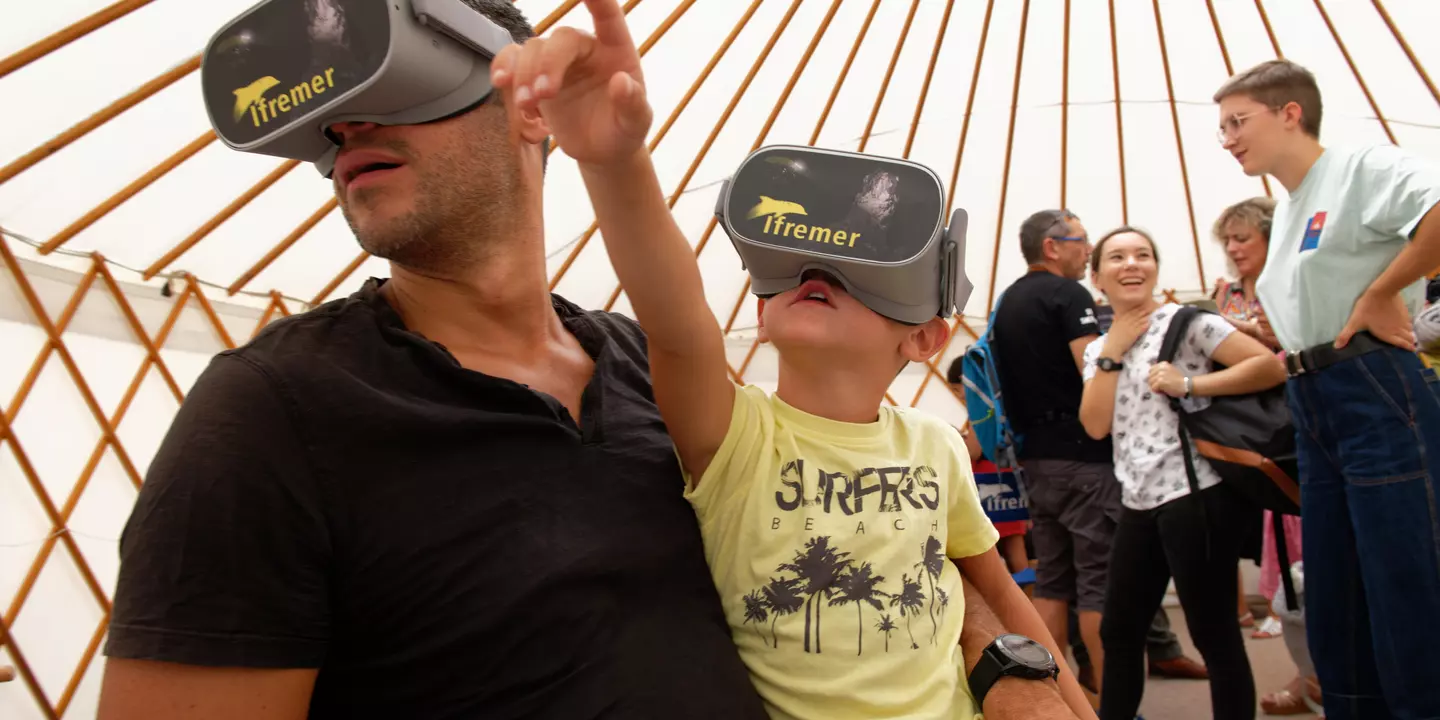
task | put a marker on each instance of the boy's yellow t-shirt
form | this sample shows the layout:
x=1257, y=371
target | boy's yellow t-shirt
x=828, y=543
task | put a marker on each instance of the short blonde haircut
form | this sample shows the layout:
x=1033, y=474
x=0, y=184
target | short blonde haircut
x=1256, y=212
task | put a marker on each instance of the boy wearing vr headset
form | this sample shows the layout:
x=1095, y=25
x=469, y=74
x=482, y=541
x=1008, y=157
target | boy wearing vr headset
x=830, y=522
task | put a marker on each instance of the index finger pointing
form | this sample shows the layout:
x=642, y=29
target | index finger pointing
x=609, y=21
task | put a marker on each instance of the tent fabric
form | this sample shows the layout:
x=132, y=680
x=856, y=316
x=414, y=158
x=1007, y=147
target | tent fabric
x=120, y=212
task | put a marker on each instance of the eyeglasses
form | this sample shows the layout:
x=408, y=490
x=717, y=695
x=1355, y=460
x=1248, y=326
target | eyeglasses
x=1230, y=127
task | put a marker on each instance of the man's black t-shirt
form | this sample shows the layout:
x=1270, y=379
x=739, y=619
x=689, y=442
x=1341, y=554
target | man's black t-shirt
x=1038, y=317
x=341, y=494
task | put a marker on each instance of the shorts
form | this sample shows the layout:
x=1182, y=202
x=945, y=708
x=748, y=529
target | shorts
x=1074, y=506
x=1001, y=498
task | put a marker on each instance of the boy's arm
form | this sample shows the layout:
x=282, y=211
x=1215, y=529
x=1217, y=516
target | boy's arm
x=1011, y=698
x=657, y=267
x=990, y=576
x=587, y=91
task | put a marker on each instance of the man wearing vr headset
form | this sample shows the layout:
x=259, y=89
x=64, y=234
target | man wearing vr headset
x=450, y=494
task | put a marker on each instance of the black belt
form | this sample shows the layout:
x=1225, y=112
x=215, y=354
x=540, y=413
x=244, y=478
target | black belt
x=1324, y=355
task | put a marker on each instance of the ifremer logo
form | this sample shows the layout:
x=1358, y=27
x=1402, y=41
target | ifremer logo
x=774, y=212
x=263, y=110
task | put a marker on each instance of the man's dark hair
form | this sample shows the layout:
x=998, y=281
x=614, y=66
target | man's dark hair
x=506, y=15
x=1275, y=84
x=956, y=374
x=1039, y=226
x=1100, y=245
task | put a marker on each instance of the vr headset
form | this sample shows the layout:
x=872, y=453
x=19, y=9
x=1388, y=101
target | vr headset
x=278, y=76
x=877, y=225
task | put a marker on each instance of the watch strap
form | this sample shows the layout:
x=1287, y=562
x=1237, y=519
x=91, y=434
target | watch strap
x=986, y=673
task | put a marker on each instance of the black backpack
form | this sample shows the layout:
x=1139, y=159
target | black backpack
x=1248, y=439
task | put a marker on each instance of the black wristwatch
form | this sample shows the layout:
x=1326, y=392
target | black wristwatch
x=1011, y=656
x=1107, y=365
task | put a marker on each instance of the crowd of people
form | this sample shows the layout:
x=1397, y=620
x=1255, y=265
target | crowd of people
x=1113, y=517
x=456, y=494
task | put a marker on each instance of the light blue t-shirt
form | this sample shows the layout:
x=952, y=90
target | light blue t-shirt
x=1337, y=233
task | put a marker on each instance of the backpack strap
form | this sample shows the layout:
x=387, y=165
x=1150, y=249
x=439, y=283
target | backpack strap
x=1174, y=335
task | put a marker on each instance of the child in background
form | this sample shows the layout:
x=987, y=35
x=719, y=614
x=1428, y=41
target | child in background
x=1000, y=493
x=841, y=605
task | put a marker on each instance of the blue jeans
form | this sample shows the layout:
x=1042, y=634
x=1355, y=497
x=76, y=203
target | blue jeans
x=1368, y=430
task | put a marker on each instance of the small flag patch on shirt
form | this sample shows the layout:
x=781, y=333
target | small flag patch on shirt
x=1312, y=232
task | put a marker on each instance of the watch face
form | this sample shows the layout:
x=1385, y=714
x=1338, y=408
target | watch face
x=1026, y=651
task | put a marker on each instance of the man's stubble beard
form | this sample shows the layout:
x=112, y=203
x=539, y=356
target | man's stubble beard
x=456, y=193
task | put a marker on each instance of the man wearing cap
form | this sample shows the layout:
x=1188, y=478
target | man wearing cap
x=449, y=495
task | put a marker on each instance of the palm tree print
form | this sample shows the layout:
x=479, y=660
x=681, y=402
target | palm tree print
x=781, y=599
x=910, y=600
x=858, y=586
x=756, y=612
x=885, y=625
x=819, y=566
x=933, y=561
x=944, y=602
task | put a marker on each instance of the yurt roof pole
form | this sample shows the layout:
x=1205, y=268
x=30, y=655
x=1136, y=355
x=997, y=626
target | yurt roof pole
x=969, y=108
x=1400, y=38
x=1344, y=52
x=1179, y=142
x=340, y=278
x=129, y=191
x=60, y=38
x=684, y=103
x=282, y=246
x=1009, y=148
x=219, y=219
x=80, y=129
x=1065, y=107
x=889, y=73
x=1119, y=121
x=720, y=121
x=1270, y=31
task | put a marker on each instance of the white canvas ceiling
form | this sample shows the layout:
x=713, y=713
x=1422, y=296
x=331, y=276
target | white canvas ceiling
x=65, y=87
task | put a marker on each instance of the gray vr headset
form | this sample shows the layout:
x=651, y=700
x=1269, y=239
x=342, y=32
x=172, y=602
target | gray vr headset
x=875, y=224
x=279, y=75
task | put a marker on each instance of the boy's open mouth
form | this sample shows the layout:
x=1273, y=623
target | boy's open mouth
x=817, y=288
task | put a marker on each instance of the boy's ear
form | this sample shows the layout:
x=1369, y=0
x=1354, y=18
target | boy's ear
x=924, y=341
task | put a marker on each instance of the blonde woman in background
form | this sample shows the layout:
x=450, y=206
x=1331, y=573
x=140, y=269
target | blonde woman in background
x=1243, y=229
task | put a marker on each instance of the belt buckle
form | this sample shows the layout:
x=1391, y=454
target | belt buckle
x=1295, y=363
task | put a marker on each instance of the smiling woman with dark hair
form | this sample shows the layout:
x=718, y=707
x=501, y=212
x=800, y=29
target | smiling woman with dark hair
x=1165, y=529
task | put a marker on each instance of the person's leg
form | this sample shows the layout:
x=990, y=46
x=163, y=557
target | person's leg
x=1383, y=413
x=1203, y=558
x=1055, y=564
x=1091, y=519
x=1135, y=585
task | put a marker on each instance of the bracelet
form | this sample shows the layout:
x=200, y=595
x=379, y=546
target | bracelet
x=1189, y=386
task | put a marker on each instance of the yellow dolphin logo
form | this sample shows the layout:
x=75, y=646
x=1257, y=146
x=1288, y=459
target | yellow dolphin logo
x=250, y=94
x=771, y=206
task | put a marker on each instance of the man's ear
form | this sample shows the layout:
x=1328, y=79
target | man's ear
x=760, y=333
x=1049, y=249
x=1293, y=114
x=924, y=341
